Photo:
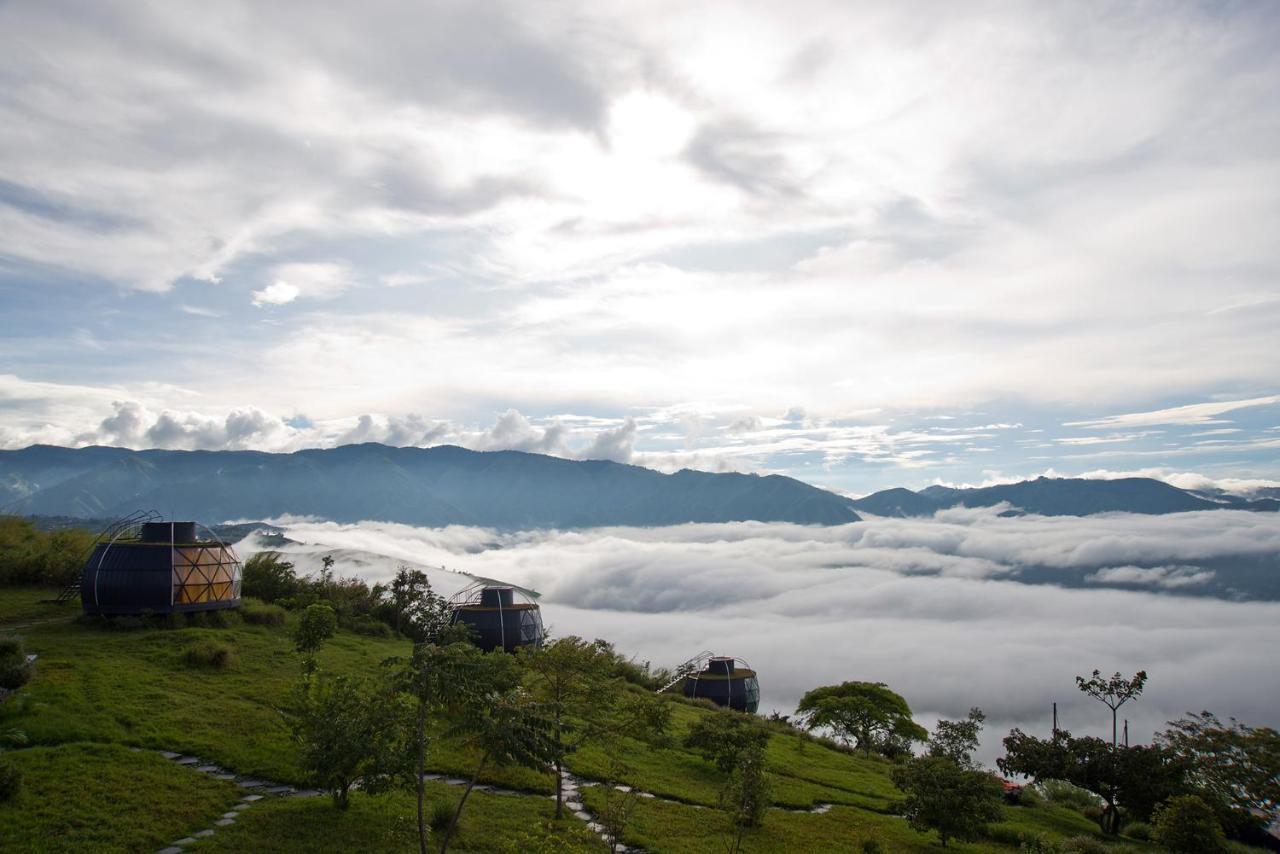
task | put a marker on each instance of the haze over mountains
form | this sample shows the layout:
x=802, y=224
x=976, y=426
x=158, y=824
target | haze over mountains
x=448, y=485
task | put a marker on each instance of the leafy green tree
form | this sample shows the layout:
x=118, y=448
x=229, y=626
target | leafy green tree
x=1187, y=825
x=865, y=714
x=1113, y=692
x=619, y=804
x=943, y=796
x=571, y=676
x=1235, y=768
x=957, y=740
x=269, y=577
x=504, y=728
x=348, y=731
x=1136, y=778
x=723, y=737
x=316, y=625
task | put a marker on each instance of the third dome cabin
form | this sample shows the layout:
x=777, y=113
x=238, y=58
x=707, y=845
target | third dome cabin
x=500, y=617
x=721, y=680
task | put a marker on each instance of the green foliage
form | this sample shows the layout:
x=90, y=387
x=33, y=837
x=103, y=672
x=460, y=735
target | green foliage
x=258, y=613
x=269, y=577
x=416, y=610
x=348, y=730
x=441, y=816
x=941, y=795
x=1112, y=691
x=316, y=625
x=865, y=714
x=618, y=805
x=1235, y=768
x=209, y=653
x=1187, y=825
x=1139, y=830
x=31, y=556
x=370, y=627
x=15, y=670
x=10, y=780
x=745, y=798
x=957, y=740
x=722, y=738
x=1065, y=794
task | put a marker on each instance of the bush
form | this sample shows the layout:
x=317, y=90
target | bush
x=1139, y=830
x=1187, y=825
x=369, y=626
x=15, y=670
x=10, y=780
x=317, y=625
x=1083, y=845
x=259, y=613
x=441, y=816
x=269, y=578
x=209, y=654
x=1063, y=794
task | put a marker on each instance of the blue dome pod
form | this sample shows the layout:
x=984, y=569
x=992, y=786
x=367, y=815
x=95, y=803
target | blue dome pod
x=724, y=683
x=498, y=619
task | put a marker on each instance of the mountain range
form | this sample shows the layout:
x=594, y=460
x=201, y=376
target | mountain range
x=449, y=485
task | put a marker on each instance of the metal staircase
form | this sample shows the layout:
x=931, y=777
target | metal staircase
x=690, y=667
x=108, y=534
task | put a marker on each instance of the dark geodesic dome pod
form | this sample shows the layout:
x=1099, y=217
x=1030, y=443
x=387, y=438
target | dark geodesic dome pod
x=160, y=567
x=724, y=683
x=500, y=617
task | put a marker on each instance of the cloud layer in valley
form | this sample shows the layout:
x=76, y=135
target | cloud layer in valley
x=933, y=607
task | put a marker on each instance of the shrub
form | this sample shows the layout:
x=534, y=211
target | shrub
x=10, y=780
x=1139, y=830
x=15, y=670
x=1083, y=845
x=1187, y=825
x=258, y=613
x=441, y=816
x=209, y=654
x=1064, y=794
x=270, y=578
x=369, y=626
x=317, y=625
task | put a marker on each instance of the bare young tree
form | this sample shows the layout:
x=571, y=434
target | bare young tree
x=1113, y=692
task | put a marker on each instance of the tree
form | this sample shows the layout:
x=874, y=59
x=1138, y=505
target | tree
x=957, y=740
x=571, y=675
x=1136, y=778
x=504, y=729
x=722, y=737
x=1113, y=692
x=865, y=714
x=943, y=796
x=619, y=804
x=1236, y=768
x=348, y=731
x=269, y=577
x=745, y=797
x=316, y=625
x=1187, y=825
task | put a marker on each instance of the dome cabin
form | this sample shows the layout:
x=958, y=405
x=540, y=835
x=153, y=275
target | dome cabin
x=724, y=683
x=501, y=617
x=159, y=567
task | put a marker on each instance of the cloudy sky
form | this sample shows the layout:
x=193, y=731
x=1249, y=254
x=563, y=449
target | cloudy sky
x=864, y=244
x=935, y=607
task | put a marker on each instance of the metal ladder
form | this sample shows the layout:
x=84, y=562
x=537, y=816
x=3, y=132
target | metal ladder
x=693, y=665
x=107, y=534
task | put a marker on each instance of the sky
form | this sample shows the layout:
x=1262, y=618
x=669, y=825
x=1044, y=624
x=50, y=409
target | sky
x=864, y=244
x=933, y=607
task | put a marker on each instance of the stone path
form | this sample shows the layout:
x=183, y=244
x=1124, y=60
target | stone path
x=259, y=788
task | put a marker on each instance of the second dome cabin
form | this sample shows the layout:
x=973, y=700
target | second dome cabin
x=721, y=680
x=500, y=617
x=142, y=565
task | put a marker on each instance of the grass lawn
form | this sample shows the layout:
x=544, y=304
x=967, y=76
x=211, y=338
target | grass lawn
x=104, y=797
x=490, y=823
x=26, y=604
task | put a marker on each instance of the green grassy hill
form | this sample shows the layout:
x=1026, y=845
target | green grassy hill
x=106, y=702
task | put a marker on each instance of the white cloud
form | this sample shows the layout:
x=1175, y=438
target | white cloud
x=278, y=292
x=1195, y=413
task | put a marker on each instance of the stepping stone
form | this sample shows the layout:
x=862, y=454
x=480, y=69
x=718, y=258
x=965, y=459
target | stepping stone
x=305, y=793
x=432, y=776
x=135, y=749
x=251, y=783
x=232, y=814
x=647, y=794
x=172, y=849
x=595, y=828
x=481, y=787
x=187, y=760
x=585, y=816
x=224, y=822
x=279, y=790
x=202, y=834
x=248, y=799
x=208, y=769
x=573, y=806
x=224, y=776
x=623, y=788
x=454, y=781
x=186, y=840
x=169, y=754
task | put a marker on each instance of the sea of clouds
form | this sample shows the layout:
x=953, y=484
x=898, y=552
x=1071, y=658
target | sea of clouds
x=933, y=607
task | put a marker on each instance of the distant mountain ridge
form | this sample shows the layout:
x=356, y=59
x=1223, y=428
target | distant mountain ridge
x=1046, y=496
x=444, y=485
x=449, y=485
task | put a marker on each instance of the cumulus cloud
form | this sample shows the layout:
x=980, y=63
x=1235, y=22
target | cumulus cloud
x=276, y=293
x=933, y=607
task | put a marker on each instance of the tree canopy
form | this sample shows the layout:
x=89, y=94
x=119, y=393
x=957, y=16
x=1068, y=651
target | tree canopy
x=867, y=715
